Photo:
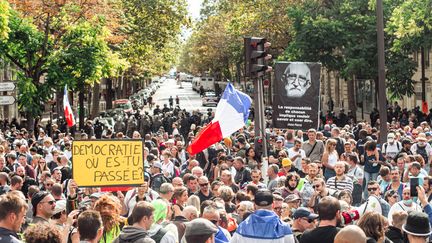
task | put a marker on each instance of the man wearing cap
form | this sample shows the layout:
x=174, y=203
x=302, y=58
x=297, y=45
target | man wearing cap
x=274, y=154
x=287, y=167
x=417, y=227
x=157, y=177
x=200, y=231
x=391, y=148
x=59, y=214
x=263, y=225
x=406, y=148
x=304, y=219
x=422, y=148
x=43, y=207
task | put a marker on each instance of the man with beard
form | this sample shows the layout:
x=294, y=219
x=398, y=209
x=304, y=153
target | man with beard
x=110, y=213
x=427, y=185
x=13, y=209
x=329, y=214
x=27, y=181
x=308, y=190
x=291, y=185
x=204, y=193
x=43, y=207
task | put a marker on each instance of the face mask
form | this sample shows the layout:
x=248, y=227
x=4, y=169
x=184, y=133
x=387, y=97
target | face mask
x=408, y=202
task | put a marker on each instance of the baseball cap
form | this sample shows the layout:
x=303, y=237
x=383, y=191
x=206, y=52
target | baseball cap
x=280, y=139
x=200, y=226
x=286, y=162
x=157, y=164
x=406, y=141
x=60, y=206
x=292, y=198
x=303, y=212
x=263, y=197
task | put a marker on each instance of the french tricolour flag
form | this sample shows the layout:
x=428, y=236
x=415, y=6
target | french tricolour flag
x=231, y=114
x=67, y=109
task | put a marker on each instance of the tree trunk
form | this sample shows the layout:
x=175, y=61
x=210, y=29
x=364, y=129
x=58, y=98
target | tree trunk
x=109, y=93
x=81, y=108
x=59, y=104
x=96, y=100
x=337, y=92
x=351, y=97
x=89, y=103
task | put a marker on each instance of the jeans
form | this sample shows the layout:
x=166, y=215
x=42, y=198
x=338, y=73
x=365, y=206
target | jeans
x=368, y=177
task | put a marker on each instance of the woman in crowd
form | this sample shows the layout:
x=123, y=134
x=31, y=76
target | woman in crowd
x=329, y=158
x=181, y=197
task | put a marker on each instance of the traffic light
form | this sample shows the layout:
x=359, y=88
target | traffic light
x=258, y=145
x=256, y=56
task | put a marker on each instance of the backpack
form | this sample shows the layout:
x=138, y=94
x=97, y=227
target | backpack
x=160, y=234
x=422, y=151
x=339, y=146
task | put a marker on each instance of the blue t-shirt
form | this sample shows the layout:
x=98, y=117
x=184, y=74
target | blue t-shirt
x=371, y=167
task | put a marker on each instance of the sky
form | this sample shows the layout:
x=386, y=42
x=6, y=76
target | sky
x=194, y=7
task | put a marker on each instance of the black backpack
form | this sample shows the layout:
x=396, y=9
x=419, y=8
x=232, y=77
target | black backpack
x=422, y=151
x=160, y=234
x=339, y=146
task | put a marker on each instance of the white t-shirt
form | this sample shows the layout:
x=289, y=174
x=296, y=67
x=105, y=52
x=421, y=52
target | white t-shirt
x=333, y=158
x=391, y=150
x=297, y=162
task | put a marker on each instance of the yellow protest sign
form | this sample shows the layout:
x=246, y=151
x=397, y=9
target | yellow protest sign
x=108, y=162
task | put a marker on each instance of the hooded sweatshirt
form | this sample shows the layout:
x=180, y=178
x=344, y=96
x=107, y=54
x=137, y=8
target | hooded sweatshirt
x=263, y=226
x=133, y=234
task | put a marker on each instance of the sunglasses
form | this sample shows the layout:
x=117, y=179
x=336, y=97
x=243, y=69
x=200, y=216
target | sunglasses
x=204, y=184
x=309, y=220
x=52, y=202
x=49, y=184
x=214, y=221
x=372, y=189
x=316, y=186
x=395, y=196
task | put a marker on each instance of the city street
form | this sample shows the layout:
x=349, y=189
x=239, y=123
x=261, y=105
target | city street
x=189, y=99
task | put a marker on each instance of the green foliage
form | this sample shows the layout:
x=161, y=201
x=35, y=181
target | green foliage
x=4, y=19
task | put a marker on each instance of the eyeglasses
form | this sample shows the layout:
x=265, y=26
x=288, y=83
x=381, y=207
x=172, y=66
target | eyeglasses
x=309, y=220
x=204, y=184
x=395, y=196
x=372, y=189
x=49, y=184
x=214, y=221
x=52, y=202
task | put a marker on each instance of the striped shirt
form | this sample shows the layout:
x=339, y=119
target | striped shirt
x=346, y=184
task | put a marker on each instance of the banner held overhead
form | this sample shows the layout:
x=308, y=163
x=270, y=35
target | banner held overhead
x=296, y=96
x=108, y=162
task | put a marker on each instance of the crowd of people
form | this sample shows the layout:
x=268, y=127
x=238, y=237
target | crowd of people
x=337, y=184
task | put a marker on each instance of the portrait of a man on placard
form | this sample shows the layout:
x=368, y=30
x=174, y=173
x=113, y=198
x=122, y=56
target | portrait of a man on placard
x=297, y=79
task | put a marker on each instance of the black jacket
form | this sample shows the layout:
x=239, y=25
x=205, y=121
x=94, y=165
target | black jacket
x=394, y=234
x=8, y=236
x=133, y=234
